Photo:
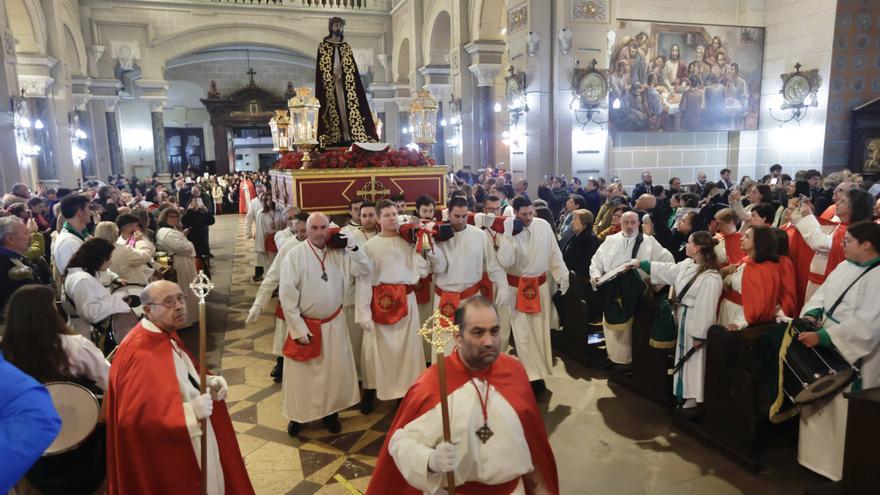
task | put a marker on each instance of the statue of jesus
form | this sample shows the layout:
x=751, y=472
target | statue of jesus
x=345, y=115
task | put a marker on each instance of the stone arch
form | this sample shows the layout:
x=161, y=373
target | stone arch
x=487, y=19
x=217, y=35
x=28, y=25
x=70, y=20
x=403, y=66
x=438, y=39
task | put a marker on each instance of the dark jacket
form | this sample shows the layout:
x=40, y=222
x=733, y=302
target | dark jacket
x=594, y=201
x=16, y=271
x=641, y=188
x=579, y=251
x=198, y=221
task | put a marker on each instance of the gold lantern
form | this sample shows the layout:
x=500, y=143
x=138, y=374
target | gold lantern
x=378, y=122
x=423, y=118
x=279, y=124
x=303, y=130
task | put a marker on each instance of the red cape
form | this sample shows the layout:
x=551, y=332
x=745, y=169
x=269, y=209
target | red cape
x=243, y=201
x=733, y=248
x=829, y=212
x=788, y=288
x=836, y=255
x=148, y=447
x=508, y=377
x=801, y=256
x=760, y=291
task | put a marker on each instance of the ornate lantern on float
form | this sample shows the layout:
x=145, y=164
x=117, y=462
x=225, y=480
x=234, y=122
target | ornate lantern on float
x=303, y=130
x=423, y=118
x=278, y=125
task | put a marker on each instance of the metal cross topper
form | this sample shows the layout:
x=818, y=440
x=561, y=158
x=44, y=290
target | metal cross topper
x=201, y=286
x=438, y=331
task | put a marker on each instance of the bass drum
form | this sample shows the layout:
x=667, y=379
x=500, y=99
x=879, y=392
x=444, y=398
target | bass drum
x=812, y=373
x=75, y=463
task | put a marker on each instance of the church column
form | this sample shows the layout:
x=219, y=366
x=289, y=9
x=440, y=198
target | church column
x=486, y=67
x=106, y=124
x=160, y=152
x=402, y=99
x=117, y=166
x=60, y=102
x=10, y=169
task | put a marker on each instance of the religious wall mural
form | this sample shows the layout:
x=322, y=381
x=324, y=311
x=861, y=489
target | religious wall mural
x=685, y=77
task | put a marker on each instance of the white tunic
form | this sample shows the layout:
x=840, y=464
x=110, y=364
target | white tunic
x=86, y=360
x=820, y=238
x=63, y=248
x=468, y=254
x=536, y=253
x=504, y=457
x=187, y=375
x=613, y=252
x=393, y=356
x=327, y=384
x=173, y=242
x=93, y=302
x=693, y=318
x=506, y=255
x=854, y=328
x=270, y=283
x=731, y=312
x=132, y=263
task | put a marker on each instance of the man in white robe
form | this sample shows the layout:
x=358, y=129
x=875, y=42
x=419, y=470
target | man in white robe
x=133, y=256
x=617, y=250
x=536, y=254
x=502, y=246
x=255, y=208
x=393, y=356
x=425, y=206
x=362, y=231
x=473, y=255
x=286, y=240
x=853, y=327
x=499, y=441
x=75, y=210
x=320, y=378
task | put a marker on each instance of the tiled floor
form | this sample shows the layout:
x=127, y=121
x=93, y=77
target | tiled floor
x=606, y=440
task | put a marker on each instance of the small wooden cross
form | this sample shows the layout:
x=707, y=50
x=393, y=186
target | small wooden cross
x=201, y=286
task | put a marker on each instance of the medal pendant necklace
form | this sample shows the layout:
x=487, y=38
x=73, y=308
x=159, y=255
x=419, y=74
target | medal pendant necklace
x=320, y=260
x=484, y=433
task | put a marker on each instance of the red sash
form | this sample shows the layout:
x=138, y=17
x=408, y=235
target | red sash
x=477, y=488
x=269, y=243
x=423, y=290
x=733, y=296
x=299, y=352
x=279, y=313
x=389, y=303
x=450, y=301
x=486, y=286
x=528, y=292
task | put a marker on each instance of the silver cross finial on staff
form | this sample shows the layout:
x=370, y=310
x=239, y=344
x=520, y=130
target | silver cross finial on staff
x=201, y=286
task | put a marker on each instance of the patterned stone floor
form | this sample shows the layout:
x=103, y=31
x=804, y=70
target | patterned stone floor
x=277, y=463
x=605, y=439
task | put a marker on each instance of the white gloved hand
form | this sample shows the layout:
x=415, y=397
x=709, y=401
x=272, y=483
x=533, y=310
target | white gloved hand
x=305, y=340
x=253, y=315
x=350, y=242
x=367, y=326
x=218, y=386
x=444, y=458
x=202, y=406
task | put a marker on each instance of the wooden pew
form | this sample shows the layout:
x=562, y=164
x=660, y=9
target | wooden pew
x=647, y=375
x=733, y=396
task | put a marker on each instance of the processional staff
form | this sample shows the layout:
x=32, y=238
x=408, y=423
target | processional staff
x=438, y=331
x=201, y=287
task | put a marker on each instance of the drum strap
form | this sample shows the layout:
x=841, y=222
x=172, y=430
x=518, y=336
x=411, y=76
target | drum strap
x=676, y=299
x=843, y=294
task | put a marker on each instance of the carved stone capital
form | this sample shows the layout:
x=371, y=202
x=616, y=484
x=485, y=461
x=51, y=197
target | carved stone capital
x=486, y=73
x=35, y=86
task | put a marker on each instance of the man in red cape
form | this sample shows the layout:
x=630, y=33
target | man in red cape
x=153, y=434
x=500, y=444
x=246, y=193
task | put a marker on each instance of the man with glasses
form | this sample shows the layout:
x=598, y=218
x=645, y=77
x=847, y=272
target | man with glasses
x=154, y=408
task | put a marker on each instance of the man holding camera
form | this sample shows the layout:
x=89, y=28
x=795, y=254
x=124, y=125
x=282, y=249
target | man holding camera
x=319, y=378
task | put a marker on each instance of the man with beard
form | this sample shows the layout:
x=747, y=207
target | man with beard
x=674, y=69
x=699, y=67
x=500, y=442
x=337, y=86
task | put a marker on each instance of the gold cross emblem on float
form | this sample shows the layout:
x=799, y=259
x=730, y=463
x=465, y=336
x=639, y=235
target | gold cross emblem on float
x=373, y=189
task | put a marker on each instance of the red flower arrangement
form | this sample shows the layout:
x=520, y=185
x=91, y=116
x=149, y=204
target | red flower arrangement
x=402, y=157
